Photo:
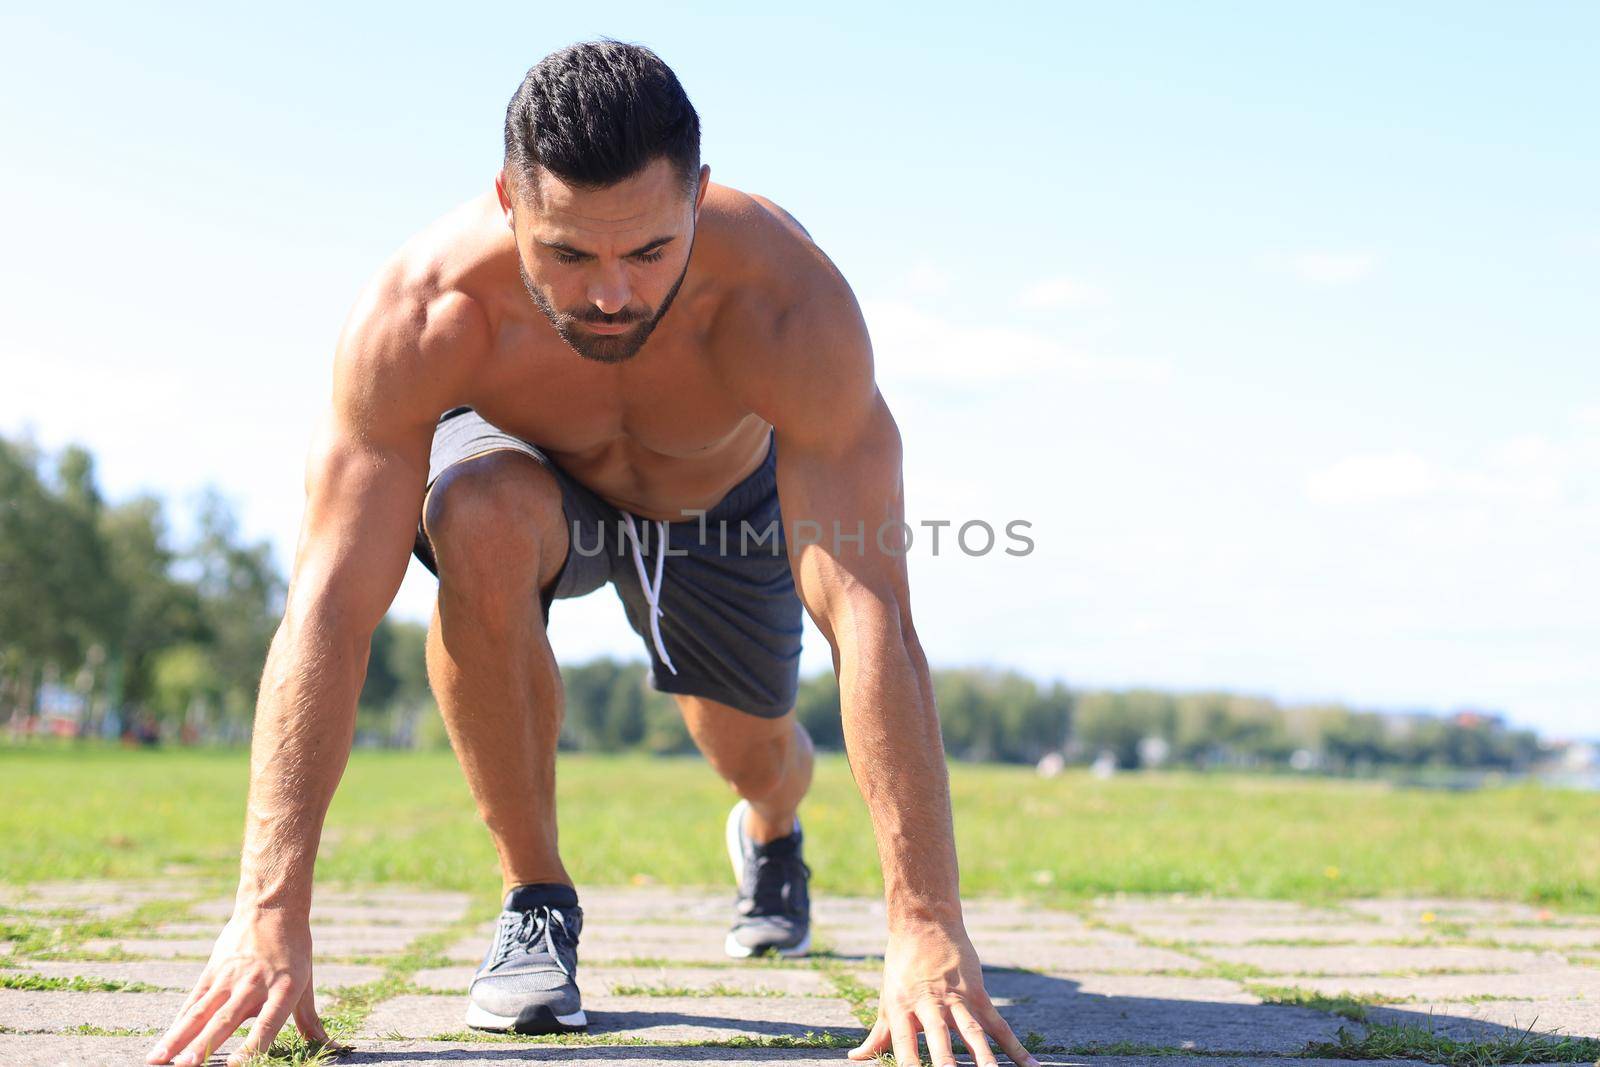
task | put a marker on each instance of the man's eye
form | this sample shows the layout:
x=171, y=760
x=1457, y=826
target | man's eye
x=567, y=257
x=650, y=257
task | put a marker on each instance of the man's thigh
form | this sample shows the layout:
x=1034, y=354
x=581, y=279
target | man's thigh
x=461, y=436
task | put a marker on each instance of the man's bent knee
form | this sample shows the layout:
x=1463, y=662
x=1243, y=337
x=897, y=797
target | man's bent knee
x=496, y=517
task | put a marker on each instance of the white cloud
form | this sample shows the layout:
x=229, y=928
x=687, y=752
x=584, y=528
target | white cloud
x=1528, y=469
x=1363, y=479
x=1060, y=292
x=1333, y=268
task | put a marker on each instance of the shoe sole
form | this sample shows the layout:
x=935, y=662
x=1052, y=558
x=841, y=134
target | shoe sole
x=734, y=837
x=743, y=952
x=541, y=1020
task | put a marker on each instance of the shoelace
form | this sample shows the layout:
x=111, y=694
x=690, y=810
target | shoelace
x=652, y=589
x=774, y=875
x=534, y=926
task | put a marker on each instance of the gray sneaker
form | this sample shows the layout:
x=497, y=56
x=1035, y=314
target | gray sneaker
x=774, y=906
x=527, y=982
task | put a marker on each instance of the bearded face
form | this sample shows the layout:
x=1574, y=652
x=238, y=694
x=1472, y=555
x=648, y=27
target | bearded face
x=595, y=335
x=603, y=265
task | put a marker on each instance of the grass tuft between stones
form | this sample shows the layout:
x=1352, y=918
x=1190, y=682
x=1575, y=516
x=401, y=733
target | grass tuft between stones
x=1344, y=1005
x=1386, y=1041
x=39, y=983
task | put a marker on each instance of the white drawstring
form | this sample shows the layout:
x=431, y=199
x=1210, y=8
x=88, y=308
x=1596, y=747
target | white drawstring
x=652, y=590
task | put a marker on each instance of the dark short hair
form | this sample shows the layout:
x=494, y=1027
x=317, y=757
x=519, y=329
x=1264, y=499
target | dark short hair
x=599, y=112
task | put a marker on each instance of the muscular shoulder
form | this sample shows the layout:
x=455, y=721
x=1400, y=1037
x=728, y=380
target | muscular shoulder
x=789, y=338
x=414, y=334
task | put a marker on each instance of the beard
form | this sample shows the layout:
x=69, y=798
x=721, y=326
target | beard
x=615, y=348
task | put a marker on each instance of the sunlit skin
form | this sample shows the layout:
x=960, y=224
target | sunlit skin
x=603, y=265
x=648, y=339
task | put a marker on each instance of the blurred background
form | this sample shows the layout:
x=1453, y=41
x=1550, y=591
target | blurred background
x=1275, y=323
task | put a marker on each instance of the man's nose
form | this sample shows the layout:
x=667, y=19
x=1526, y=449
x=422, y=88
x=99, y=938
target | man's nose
x=609, y=291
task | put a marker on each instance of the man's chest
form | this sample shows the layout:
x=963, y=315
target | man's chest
x=667, y=400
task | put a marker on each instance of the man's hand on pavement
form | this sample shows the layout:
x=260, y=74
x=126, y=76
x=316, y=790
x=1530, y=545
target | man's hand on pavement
x=261, y=968
x=932, y=983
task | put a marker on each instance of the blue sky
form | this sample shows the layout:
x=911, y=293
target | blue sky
x=1271, y=318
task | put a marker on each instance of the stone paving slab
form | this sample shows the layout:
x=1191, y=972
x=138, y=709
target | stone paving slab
x=1378, y=960
x=17, y=1050
x=49, y=1050
x=1021, y=987
x=1086, y=1019
x=646, y=1018
x=39, y=910
x=1084, y=985
x=1044, y=955
x=1210, y=910
x=335, y=913
x=693, y=944
x=197, y=948
x=1197, y=1013
x=378, y=936
x=1586, y=937
x=1238, y=932
x=350, y=940
x=88, y=893
x=1058, y=927
x=1551, y=985
x=178, y=974
x=26, y=1010
x=1410, y=911
x=754, y=979
x=440, y=901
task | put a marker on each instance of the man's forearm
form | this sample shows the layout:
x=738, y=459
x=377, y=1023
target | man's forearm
x=891, y=731
x=305, y=721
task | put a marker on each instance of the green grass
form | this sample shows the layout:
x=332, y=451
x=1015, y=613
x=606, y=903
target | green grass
x=715, y=989
x=1383, y=1041
x=38, y=983
x=1345, y=1005
x=92, y=811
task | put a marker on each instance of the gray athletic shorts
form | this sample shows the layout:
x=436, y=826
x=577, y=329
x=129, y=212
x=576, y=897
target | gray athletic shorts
x=729, y=624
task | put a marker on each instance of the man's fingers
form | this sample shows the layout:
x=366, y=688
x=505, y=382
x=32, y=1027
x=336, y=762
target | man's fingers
x=905, y=1040
x=931, y=1015
x=201, y=985
x=877, y=1041
x=1000, y=1030
x=978, y=1023
x=219, y=1029
x=306, y=1019
x=188, y=1024
x=274, y=1013
x=972, y=1034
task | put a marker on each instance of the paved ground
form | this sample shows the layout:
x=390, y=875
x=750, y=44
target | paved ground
x=91, y=972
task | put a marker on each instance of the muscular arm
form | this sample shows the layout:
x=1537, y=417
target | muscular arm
x=839, y=472
x=839, y=483
x=364, y=486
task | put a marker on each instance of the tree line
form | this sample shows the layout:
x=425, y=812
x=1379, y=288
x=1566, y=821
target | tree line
x=108, y=628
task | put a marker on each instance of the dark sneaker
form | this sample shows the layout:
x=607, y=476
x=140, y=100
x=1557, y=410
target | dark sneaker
x=774, y=908
x=527, y=982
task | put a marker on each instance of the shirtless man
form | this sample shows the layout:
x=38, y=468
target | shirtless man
x=589, y=437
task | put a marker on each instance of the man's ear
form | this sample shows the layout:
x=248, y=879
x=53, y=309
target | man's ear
x=705, y=183
x=506, y=199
